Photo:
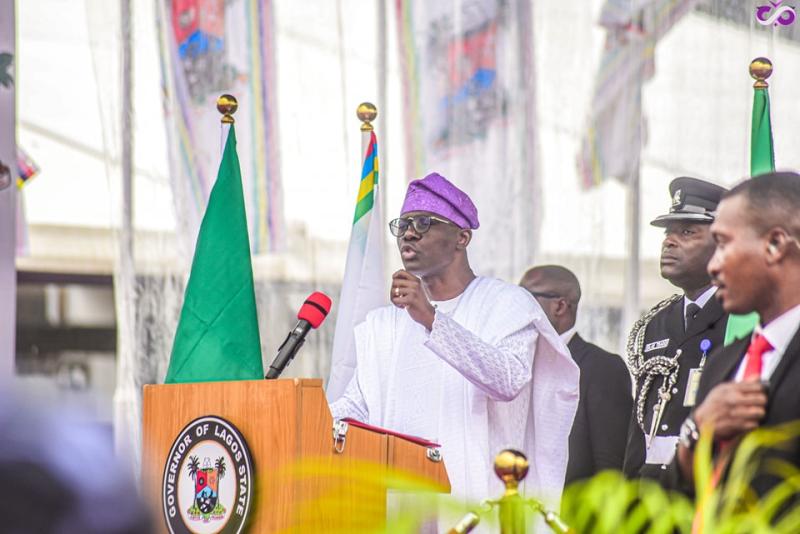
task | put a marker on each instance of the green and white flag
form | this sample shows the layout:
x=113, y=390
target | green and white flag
x=762, y=154
x=364, y=286
x=217, y=336
x=762, y=160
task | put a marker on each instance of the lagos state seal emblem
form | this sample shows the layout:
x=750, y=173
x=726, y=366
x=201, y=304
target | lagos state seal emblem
x=208, y=476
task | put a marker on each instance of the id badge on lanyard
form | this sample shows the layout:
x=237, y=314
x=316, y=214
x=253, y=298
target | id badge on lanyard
x=693, y=383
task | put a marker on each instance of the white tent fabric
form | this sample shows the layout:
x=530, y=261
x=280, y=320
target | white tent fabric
x=470, y=115
x=697, y=104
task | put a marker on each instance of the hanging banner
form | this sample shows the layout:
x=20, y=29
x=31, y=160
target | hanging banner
x=470, y=115
x=616, y=133
x=211, y=47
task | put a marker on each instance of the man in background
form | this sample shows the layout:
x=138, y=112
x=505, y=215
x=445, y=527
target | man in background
x=599, y=432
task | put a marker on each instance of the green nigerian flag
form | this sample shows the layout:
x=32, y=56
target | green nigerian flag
x=762, y=156
x=217, y=336
x=762, y=160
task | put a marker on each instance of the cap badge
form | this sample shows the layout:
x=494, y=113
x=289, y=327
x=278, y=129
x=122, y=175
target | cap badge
x=676, y=198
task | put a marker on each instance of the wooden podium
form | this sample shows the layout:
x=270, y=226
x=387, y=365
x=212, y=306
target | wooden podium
x=283, y=422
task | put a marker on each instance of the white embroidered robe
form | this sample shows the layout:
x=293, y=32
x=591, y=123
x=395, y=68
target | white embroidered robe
x=491, y=374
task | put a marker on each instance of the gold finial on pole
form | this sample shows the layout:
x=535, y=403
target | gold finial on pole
x=511, y=466
x=760, y=70
x=227, y=105
x=366, y=113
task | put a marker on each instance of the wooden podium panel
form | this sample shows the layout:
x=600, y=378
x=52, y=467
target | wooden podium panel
x=283, y=422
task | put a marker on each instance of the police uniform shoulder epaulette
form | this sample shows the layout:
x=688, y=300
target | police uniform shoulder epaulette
x=634, y=347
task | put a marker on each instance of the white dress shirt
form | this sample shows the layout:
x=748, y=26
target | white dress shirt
x=701, y=300
x=779, y=332
x=567, y=335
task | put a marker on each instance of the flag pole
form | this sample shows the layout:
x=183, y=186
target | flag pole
x=762, y=155
x=126, y=400
x=631, y=302
x=366, y=113
x=363, y=285
x=383, y=80
x=227, y=106
x=762, y=159
x=127, y=129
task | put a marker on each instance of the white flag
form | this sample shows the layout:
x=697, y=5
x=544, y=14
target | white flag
x=363, y=288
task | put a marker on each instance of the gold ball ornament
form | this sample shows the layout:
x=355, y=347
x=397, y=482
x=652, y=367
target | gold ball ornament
x=227, y=105
x=511, y=466
x=366, y=113
x=760, y=70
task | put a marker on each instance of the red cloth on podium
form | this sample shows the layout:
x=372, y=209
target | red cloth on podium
x=414, y=439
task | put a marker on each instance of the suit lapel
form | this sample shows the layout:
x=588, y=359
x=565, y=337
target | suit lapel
x=730, y=357
x=675, y=325
x=576, y=347
x=720, y=367
x=786, y=361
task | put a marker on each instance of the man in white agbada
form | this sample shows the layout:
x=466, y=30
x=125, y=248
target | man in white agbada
x=470, y=362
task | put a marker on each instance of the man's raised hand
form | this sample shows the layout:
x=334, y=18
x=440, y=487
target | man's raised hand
x=732, y=409
x=407, y=292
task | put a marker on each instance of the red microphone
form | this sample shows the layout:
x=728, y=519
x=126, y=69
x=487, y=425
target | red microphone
x=311, y=314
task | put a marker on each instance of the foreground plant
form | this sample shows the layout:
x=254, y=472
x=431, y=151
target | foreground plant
x=607, y=503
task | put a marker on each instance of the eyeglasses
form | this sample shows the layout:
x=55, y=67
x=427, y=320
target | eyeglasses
x=544, y=294
x=421, y=223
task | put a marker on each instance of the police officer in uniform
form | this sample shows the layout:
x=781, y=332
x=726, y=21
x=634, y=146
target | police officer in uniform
x=667, y=347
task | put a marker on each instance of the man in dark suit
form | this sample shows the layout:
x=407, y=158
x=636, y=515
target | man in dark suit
x=597, y=439
x=754, y=381
x=666, y=346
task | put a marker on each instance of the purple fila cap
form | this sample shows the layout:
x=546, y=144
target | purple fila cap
x=436, y=194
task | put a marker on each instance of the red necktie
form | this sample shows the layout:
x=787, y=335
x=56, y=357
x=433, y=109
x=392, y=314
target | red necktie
x=755, y=357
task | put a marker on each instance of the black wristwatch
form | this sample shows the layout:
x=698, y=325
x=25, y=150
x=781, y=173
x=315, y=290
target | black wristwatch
x=689, y=435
